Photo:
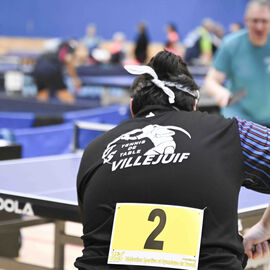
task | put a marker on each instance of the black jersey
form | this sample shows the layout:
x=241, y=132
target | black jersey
x=164, y=156
x=58, y=57
x=49, y=69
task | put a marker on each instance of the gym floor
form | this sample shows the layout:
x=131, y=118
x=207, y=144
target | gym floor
x=38, y=245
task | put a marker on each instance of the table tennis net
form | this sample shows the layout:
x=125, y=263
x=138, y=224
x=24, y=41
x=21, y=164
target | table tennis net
x=85, y=132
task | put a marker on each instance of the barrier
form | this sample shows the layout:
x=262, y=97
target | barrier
x=58, y=139
x=16, y=120
x=44, y=141
x=84, y=132
x=111, y=114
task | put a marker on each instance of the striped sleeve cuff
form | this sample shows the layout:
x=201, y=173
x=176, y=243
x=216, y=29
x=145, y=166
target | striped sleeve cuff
x=255, y=143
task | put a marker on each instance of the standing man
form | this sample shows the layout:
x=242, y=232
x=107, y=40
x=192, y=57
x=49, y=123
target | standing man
x=142, y=42
x=198, y=44
x=244, y=60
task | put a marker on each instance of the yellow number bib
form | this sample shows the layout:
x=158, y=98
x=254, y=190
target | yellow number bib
x=156, y=235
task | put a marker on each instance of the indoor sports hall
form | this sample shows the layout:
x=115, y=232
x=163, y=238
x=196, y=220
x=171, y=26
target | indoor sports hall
x=63, y=83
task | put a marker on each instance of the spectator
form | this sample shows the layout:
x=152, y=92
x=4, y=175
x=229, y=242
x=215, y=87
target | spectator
x=91, y=40
x=234, y=27
x=173, y=45
x=117, y=49
x=198, y=44
x=243, y=59
x=217, y=37
x=172, y=34
x=141, y=45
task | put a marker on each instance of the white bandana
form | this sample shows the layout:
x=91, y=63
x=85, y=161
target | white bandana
x=139, y=70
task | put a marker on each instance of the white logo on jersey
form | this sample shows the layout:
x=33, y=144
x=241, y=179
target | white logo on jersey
x=149, y=115
x=160, y=136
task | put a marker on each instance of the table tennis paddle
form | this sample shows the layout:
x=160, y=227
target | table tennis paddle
x=236, y=97
x=254, y=247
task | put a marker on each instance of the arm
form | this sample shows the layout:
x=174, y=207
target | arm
x=258, y=236
x=206, y=58
x=72, y=72
x=213, y=86
x=255, y=144
x=206, y=48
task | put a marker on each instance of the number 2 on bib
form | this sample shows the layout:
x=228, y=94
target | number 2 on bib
x=151, y=243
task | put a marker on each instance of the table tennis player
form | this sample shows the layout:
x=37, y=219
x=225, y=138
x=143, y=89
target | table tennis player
x=49, y=73
x=161, y=189
x=240, y=65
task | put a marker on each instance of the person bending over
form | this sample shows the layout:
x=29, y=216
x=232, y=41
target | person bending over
x=49, y=73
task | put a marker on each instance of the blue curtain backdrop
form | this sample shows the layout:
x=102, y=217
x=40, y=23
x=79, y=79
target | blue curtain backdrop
x=69, y=18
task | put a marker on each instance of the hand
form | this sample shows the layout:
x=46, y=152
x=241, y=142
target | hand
x=222, y=97
x=236, y=97
x=77, y=84
x=261, y=250
x=255, y=242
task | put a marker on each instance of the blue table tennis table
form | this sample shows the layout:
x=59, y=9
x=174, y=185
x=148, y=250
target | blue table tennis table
x=105, y=76
x=43, y=190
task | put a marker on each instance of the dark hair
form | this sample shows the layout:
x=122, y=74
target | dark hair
x=171, y=68
x=172, y=26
